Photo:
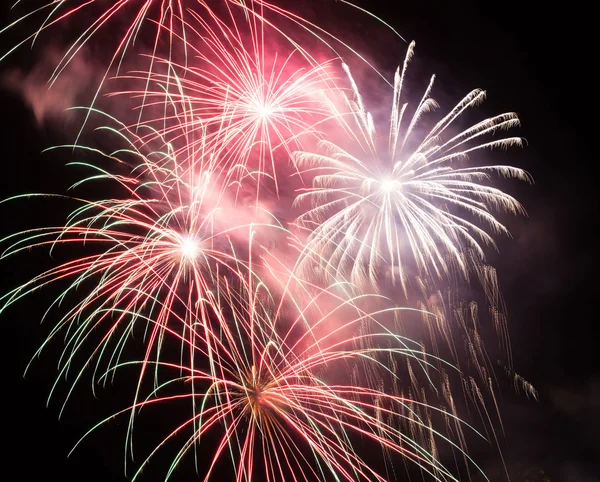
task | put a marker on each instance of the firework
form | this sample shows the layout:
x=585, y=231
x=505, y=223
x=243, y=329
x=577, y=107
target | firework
x=414, y=206
x=273, y=338
x=157, y=252
x=133, y=17
x=276, y=403
x=254, y=105
x=165, y=15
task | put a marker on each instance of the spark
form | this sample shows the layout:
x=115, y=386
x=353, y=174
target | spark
x=414, y=206
x=280, y=353
x=255, y=106
x=389, y=185
x=161, y=251
x=271, y=404
x=190, y=247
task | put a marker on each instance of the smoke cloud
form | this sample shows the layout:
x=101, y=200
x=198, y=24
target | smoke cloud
x=50, y=100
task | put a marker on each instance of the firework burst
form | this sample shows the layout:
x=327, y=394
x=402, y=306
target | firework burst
x=253, y=105
x=279, y=404
x=370, y=211
x=272, y=337
x=159, y=249
x=165, y=15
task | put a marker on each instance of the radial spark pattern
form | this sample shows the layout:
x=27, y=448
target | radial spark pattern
x=189, y=266
x=279, y=401
x=414, y=206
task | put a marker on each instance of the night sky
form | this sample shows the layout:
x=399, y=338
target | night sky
x=530, y=60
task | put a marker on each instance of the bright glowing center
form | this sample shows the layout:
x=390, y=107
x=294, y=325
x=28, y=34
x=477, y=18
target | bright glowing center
x=189, y=247
x=263, y=110
x=388, y=185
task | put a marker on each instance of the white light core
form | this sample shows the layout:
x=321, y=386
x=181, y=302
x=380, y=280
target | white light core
x=388, y=185
x=264, y=111
x=190, y=247
x=262, y=108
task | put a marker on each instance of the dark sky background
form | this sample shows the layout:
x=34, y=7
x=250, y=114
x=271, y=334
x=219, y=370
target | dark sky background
x=532, y=59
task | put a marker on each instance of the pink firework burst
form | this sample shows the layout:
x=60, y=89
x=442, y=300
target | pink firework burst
x=154, y=256
x=254, y=99
x=280, y=401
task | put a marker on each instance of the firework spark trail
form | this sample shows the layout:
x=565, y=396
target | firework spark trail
x=254, y=105
x=165, y=239
x=270, y=390
x=287, y=372
x=450, y=329
x=368, y=211
x=163, y=13
x=407, y=209
x=167, y=19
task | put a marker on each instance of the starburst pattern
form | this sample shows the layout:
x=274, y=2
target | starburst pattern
x=165, y=238
x=278, y=409
x=261, y=314
x=255, y=107
x=370, y=211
